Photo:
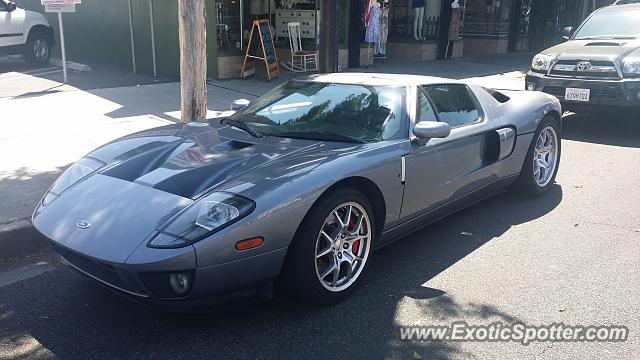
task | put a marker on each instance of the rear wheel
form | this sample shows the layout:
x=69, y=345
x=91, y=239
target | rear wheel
x=541, y=163
x=330, y=253
x=38, y=48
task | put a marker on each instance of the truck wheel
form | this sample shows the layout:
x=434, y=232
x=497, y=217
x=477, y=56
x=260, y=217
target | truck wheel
x=37, y=49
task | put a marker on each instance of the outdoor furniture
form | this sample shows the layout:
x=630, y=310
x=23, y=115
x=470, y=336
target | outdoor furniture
x=301, y=60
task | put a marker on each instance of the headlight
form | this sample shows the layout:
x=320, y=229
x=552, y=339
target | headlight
x=542, y=62
x=631, y=67
x=76, y=172
x=205, y=217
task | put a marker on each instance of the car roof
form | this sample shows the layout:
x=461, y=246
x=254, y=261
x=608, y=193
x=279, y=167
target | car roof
x=376, y=79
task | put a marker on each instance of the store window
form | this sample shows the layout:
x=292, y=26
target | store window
x=413, y=20
x=229, y=28
x=487, y=17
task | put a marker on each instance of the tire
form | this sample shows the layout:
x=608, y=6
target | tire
x=533, y=180
x=38, y=48
x=311, y=254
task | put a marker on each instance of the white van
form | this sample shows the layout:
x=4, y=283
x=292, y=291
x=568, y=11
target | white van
x=25, y=32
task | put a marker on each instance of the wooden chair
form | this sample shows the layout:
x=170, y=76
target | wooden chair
x=301, y=60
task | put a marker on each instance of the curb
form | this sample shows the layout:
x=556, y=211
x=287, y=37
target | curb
x=19, y=238
x=70, y=65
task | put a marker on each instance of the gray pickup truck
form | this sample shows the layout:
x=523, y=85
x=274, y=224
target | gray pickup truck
x=599, y=64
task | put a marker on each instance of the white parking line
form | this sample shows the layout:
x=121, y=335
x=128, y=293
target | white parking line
x=16, y=75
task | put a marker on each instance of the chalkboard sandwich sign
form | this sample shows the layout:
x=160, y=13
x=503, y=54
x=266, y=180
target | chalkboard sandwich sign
x=260, y=39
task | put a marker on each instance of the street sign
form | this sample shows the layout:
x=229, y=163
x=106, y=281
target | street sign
x=61, y=6
x=58, y=7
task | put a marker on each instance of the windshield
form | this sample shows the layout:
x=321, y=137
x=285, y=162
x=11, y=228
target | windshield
x=618, y=23
x=338, y=112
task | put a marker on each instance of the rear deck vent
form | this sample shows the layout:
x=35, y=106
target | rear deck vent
x=231, y=145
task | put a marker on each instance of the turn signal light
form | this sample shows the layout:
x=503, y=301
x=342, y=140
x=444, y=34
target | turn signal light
x=249, y=243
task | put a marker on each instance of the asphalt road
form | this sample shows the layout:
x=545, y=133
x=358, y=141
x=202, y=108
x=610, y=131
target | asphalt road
x=572, y=256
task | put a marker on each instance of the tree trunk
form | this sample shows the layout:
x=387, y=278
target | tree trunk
x=193, y=60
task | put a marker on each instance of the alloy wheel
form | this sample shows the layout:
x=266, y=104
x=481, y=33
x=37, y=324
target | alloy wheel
x=545, y=156
x=40, y=49
x=342, y=246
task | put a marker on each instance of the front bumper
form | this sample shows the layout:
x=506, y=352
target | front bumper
x=619, y=93
x=215, y=287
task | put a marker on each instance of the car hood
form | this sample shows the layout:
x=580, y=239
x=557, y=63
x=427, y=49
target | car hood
x=595, y=49
x=149, y=177
x=187, y=160
x=106, y=218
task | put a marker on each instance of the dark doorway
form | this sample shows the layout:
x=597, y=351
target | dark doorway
x=443, y=29
x=356, y=28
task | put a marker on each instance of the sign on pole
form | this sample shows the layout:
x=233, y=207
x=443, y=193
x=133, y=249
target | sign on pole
x=61, y=6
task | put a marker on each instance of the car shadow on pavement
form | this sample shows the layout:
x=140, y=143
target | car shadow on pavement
x=603, y=126
x=62, y=314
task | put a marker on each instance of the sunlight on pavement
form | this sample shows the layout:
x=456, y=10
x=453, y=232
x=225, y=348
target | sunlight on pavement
x=23, y=347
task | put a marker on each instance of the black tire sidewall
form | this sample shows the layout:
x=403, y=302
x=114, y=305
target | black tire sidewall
x=299, y=274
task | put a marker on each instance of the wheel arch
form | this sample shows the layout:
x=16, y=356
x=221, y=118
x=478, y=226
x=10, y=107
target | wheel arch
x=556, y=117
x=40, y=28
x=367, y=187
x=370, y=190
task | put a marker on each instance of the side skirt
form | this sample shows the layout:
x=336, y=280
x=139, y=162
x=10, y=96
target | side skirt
x=497, y=187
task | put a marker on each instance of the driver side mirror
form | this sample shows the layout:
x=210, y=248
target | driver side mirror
x=239, y=104
x=11, y=7
x=425, y=130
x=566, y=32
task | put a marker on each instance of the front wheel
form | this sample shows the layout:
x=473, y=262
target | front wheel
x=38, y=49
x=331, y=249
x=543, y=157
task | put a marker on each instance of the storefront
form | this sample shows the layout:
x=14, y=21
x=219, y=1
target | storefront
x=412, y=30
x=538, y=24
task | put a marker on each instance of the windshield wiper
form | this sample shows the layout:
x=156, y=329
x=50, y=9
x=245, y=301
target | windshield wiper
x=242, y=126
x=320, y=135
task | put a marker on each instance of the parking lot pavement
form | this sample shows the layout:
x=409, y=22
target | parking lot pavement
x=571, y=256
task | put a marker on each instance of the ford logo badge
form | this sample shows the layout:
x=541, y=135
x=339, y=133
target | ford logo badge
x=83, y=224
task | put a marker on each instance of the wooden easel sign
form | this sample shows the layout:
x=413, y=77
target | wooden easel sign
x=260, y=38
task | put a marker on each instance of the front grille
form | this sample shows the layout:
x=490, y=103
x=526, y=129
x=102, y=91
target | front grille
x=596, y=70
x=600, y=96
x=99, y=270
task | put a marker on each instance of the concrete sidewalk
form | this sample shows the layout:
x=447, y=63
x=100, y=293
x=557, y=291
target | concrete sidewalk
x=41, y=134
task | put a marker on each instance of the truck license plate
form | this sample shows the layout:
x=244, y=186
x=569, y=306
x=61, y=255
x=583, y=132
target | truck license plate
x=575, y=94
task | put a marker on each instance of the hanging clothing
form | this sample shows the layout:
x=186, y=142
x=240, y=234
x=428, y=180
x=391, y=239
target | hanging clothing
x=384, y=30
x=454, y=25
x=373, y=30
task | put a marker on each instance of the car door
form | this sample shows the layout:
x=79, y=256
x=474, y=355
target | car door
x=11, y=25
x=444, y=169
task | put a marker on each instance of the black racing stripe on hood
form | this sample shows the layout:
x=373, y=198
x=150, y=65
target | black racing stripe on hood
x=143, y=163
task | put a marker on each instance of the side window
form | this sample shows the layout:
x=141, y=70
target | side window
x=453, y=103
x=425, y=111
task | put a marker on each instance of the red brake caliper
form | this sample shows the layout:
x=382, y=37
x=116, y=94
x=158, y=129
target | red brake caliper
x=356, y=244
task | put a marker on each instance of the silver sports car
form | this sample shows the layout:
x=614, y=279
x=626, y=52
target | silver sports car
x=295, y=189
